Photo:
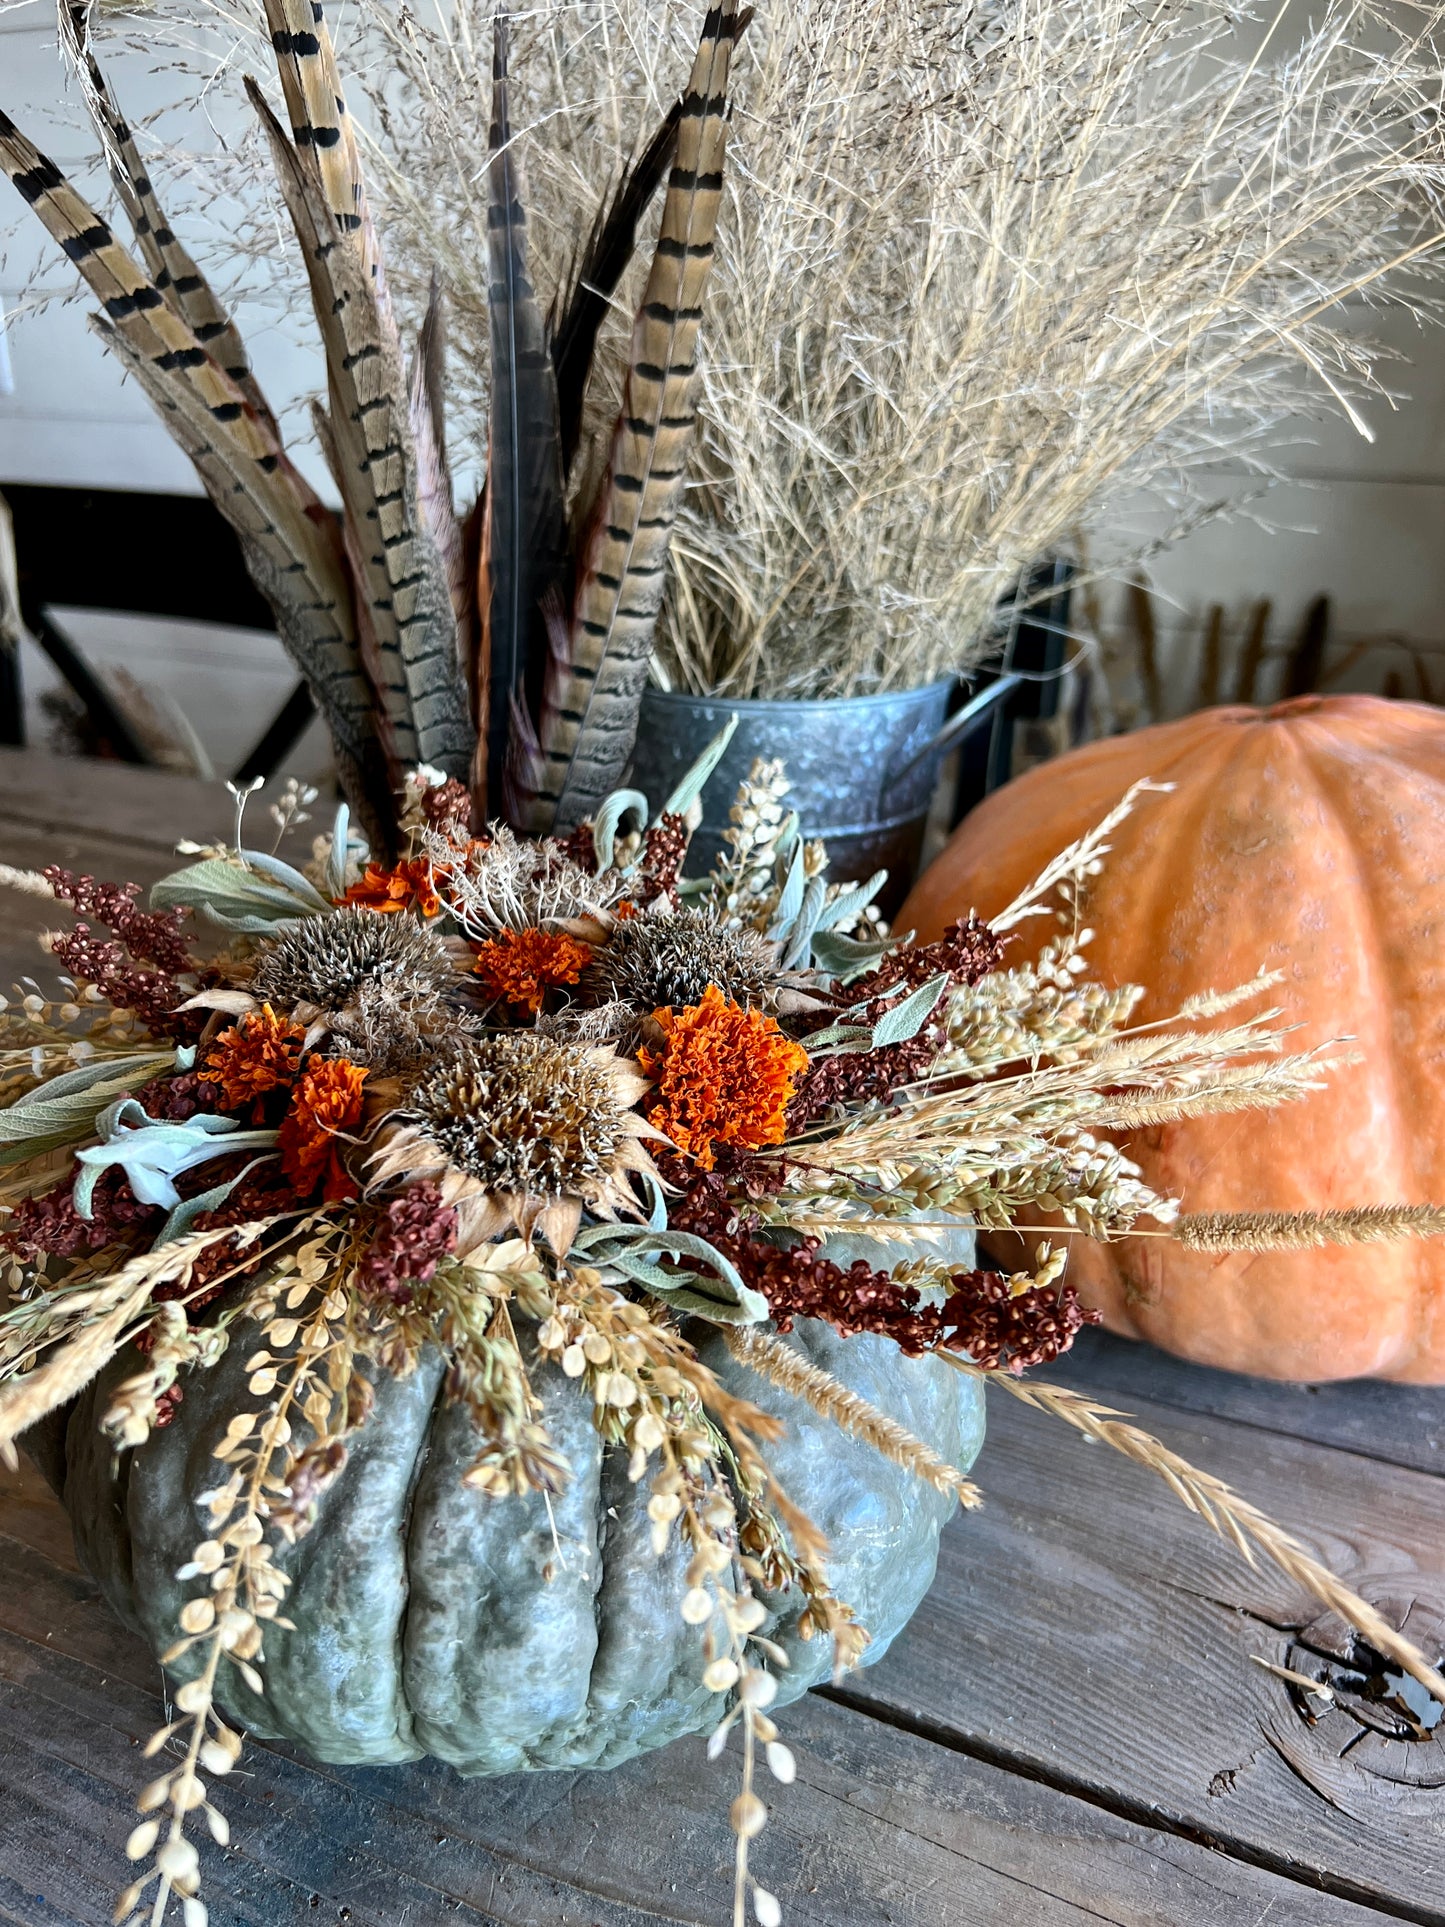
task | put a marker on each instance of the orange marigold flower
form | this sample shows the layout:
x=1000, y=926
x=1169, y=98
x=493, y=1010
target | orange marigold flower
x=725, y=1076
x=261, y=1053
x=410, y=885
x=521, y=966
x=326, y=1101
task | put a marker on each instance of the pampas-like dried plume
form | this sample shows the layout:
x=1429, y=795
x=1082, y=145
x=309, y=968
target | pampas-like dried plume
x=980, y=270
x=918, y=372
x=1366, y=1224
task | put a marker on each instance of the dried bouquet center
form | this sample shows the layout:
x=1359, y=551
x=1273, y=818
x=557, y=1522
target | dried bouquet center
x=521, y=1113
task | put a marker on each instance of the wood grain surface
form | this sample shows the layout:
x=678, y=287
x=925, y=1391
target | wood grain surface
x=1072, y=1731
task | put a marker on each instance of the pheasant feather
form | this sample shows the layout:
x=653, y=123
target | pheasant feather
x=169, y=264
x=589, y=710
x=320, y=125
x=402, y=592
x=604, y=261
x=299, y=568
x=524, y=518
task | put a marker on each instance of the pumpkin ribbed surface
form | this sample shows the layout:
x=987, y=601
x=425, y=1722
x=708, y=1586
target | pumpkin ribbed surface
x=431, y=1619
x=1307, y=838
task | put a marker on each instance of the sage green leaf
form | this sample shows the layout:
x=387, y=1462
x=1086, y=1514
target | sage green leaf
x=238, y=897
x=336, y=862
x=906, y=1019
x=849, y=902
x=844, y=958
x=800, y=945
x=718, y=1293
x=183, y=1216
x=691, y=786
x=154, y=1154
x=301, y=887
x=790, y=898
x=64, y=1108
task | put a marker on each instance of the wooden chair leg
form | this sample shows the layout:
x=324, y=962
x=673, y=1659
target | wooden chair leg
x=279, y=738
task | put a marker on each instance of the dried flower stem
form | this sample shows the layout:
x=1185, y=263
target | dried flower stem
x=771, y=1359
x=244, y=1586
x=118, y=1300
x=1305, y=1230
x=1222, y=1509
x=1073, y=865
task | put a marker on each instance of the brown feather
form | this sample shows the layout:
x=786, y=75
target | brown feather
x=589, y=713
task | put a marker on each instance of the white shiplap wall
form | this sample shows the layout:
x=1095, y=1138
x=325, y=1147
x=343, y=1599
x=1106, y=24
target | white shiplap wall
x=1361, y=522
x=70, y=419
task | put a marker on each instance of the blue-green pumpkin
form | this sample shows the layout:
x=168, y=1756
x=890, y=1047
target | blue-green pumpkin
x=430, y=1619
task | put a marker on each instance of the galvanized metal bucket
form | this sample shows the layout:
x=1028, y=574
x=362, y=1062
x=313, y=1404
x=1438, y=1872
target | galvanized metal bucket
x=861, y=769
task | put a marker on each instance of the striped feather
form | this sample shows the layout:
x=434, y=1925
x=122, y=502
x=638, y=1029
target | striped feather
x=604, y=261
x=320, y=124
x=297, y=565
x=169, y=264
x=426, y=410
x=400, y=573
x=589, y=712
x=129, y=298
x=525, y=536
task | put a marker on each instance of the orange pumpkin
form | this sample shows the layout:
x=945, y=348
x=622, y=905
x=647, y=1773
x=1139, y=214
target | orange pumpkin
x=1308, y=838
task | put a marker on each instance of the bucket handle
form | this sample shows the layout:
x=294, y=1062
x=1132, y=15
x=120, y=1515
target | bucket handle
x=953, y=731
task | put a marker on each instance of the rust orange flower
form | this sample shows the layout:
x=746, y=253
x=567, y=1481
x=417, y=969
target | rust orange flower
x=521, y=966
x=725, y=1076
x=261, y=1053
x=410, y=885
x=326, y=1101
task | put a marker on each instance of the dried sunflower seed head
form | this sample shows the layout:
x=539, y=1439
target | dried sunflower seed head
x=335, y=961
x=650, y=962
x=524, y=1114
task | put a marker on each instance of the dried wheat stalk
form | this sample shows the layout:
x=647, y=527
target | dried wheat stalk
x=795, y=1374
x=1222, y=1509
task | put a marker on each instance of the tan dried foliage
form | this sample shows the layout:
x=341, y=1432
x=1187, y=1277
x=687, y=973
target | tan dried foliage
x=983, y=271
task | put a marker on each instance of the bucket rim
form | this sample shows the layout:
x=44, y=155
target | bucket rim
x=799, y=705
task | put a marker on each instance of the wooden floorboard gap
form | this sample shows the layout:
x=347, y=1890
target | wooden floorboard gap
x=1138, y=1812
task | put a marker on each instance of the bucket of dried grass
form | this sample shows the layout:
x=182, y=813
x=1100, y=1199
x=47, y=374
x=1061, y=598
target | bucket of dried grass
x=859, y=775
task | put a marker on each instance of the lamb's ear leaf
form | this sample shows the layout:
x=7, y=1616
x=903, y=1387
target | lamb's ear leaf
x=904, y=1020
x=237, y=896
x=691, y=786
x=64, y=1109
x=336, y=862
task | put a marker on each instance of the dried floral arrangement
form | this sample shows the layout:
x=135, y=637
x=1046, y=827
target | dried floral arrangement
x=920, y=374
x=492, y=1089
x=501, y=1086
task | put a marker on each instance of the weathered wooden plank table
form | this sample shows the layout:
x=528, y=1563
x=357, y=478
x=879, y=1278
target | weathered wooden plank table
x=1072, y=1731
